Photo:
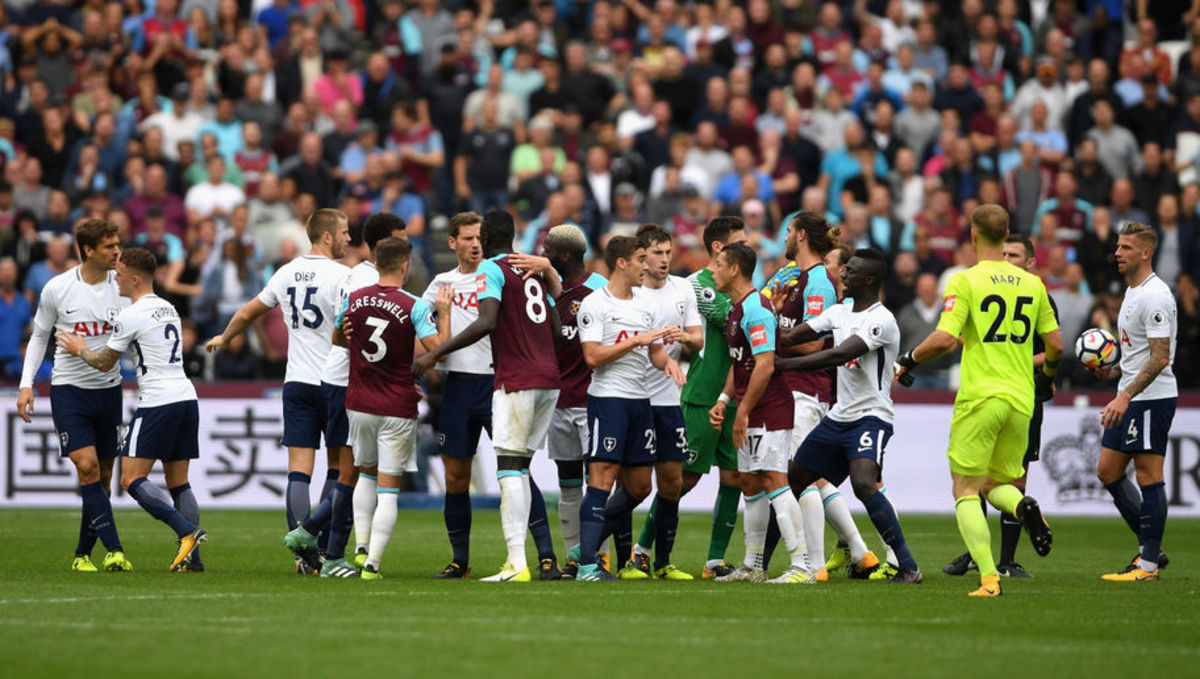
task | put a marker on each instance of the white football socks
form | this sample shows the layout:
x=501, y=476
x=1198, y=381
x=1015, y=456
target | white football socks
x=791, y=526
x=754, y=523
x=514, y=515
x=813, y=515
x=837, y=513
x=364, y=500
x=569, y=500
x=382, y=523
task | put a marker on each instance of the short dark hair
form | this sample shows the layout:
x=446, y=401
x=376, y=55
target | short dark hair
x=379, y=226
x=391, y=253
x=325, y=220
x=717, y=230
x=462, y=219
x=140, y=260
x=742, y=256
x=650, y=234
x=1025, y=241
x=498, y=231
x=620, y=247
x=814, y=225
x=90, y=233
x=878, y=267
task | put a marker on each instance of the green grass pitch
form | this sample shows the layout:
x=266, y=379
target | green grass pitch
x=249, y=616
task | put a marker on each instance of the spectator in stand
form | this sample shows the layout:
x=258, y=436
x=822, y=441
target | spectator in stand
x=213, y=198
x=1117, y=149
x=918, y=125
x=654, y=144
x=58, y=216
x=1051, y=143
x=527, y=158
x=1079, y=118
x=1093, y=181
x=309, y=170
x=899, y=287
x=842, y=74
x=843, y=165
x=916, y=320
x=1154, y=179
x=29, y=194
x=1074, y=215
x=15, y=316
x=1122, y=207
x=510, y=112
x=252, y=160
x=1072, y=297
x=958, y=94
x=729, y=189
x=481, y=169
x=1046, y=89
x=1097, y=254
x=156, y=194
x=942, y=225
x=1187, y=342
x=1177, y=244
x=963, y=176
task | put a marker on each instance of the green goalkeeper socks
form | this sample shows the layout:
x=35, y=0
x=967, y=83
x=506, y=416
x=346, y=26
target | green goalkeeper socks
x=724, y=520
x=1005, y=498
x=973, y=527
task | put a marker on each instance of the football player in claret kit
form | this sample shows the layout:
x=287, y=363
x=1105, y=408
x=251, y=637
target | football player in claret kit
x=517, y=313
x=467, y=404
x=307, y=288
x=620, y=345
x=1138, y=421
x=381, y=401
x=565, y=247
x=995, y=308
x=852, y=438
x=673, y=305
x=345, y=503
x=166, y=424
x=85, y=404
x=762, y=427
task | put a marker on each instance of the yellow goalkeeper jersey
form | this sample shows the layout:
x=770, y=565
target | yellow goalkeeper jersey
x=997, y=308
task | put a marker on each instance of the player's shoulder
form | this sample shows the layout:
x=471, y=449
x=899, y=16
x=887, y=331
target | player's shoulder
x=61, y=282
x=594, y=281
x=1155, y=287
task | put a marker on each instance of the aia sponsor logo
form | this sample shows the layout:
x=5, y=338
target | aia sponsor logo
x=92, y=329
x=626, y=334
x=1125, y=338
x=469, y=301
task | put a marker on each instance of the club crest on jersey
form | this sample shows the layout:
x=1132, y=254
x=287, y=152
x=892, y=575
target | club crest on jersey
x=758, y=336
x=679, y=307
x=575, y=306
x=948, y=303
x=610, y=443
x=110, y=314
x=64, y=440
x=814, y=305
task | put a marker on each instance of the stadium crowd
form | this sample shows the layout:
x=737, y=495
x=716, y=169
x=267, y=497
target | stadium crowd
x=209, y=130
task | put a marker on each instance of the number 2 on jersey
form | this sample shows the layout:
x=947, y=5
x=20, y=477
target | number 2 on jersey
x=1019, y=316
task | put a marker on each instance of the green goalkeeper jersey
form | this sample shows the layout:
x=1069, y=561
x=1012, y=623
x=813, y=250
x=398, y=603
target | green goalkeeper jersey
x=710, y=366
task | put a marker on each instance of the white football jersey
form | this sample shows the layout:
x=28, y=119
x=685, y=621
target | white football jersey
x=607, y=320
x=307, y=288
x=864, y=385
x=1148, y=311
x=337, y=363
x=464, y=310
x=150, y=332
x=674, y=304
x=71, y=305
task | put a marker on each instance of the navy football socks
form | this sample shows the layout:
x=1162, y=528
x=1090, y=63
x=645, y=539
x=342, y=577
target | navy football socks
x=457, y=513
x=297, y=500
x=341, y=517
x=1153, y=520
x=772, y=540
x=665, y=527
x=185, y=502
x=883, y=515
x=591, y=524
x=99, y=510
x=331, y=479
x=1128, y=501
x=158, y=504
x=539, y=525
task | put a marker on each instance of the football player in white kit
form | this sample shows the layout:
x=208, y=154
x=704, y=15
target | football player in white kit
x=1138, y=421
x=673, y=305
x=166, y=424
x=851, y=439
x=620, y=344
x=333, y=516
x=307, y=288
x=85, y=405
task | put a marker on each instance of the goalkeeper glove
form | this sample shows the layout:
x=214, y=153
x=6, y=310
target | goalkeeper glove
x=904, y=367
x=1043, y=386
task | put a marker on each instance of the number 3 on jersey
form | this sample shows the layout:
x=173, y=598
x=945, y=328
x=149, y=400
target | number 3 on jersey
x=378, y=326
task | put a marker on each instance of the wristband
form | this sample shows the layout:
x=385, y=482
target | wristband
x=723, y=398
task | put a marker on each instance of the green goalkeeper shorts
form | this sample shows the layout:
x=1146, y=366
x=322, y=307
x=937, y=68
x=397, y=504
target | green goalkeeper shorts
x=708, y=446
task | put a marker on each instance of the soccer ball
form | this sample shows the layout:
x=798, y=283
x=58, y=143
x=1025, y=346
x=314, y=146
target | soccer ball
x=1096, y=348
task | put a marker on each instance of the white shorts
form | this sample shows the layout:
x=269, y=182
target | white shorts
x=389, y=442
x=568, y=439
x=808, y=414
x=765, y=451
x=521, y=419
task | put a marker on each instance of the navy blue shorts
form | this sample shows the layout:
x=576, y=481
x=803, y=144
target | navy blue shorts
x=828, y=449
x=670, y=434
x=304, y=415
x=87, y=417
x=466, y=411
x=168, y=433
x=1146, y=428
x=337, y=427
x=622, y=431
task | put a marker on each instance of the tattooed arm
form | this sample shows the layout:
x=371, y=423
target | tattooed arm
x=102, y=360
x=1160, y=356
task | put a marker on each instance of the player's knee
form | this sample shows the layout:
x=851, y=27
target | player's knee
x=670, y=488
x=690, y=479
x=638, y=489
x=799, y=478
x=127, y=479
x=89, y=471
x=864, y=487
x=1108, y=474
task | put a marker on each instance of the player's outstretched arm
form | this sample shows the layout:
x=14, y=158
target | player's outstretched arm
x=489, y=311
x=843, y=353
x=801, y=334
x=102, y=360
x=1160, y=358
x=250, y=312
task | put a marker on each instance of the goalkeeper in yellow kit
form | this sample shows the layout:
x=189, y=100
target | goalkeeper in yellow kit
x=995, y=308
